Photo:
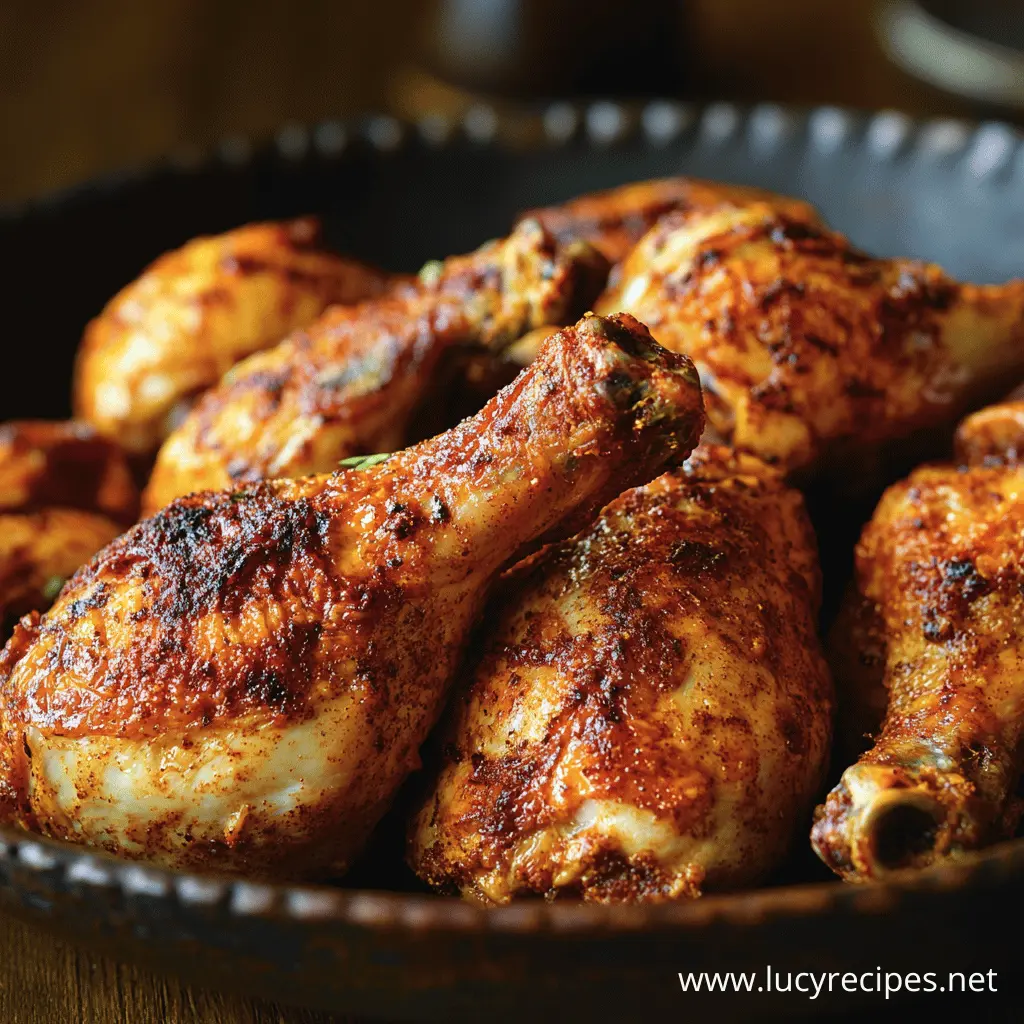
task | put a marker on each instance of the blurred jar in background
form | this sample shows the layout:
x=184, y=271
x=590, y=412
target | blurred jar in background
x=805, y=52
x=545, y=48
x=972, y=48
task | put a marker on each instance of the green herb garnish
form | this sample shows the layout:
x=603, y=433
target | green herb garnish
x=53, y=586
x=364, y=461
x=431, y=272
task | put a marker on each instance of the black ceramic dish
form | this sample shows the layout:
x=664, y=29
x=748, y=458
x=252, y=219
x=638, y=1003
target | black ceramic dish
x=398, y=195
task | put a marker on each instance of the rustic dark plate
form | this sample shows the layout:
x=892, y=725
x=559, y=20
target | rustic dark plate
x=399, y=195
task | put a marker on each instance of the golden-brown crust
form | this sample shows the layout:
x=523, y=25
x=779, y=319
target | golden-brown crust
x=810, y=352
x=659, y=674
x=242, y=681
x=943, y=561
x=615, y=219
x=352, y=382
x=197, y=311
x=44, y=464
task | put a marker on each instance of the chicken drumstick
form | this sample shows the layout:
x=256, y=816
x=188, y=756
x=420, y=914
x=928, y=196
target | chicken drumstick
x=243, y=681
x=352, y=382
x=940, y=574
x=650, y=712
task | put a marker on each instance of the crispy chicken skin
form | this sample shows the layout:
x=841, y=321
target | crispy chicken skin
x=64, y=490
x=197, y=311
x=649, y=710
x=66, y=464
x=810, y=352
x=351, y=383
x=242, y=681
x=941, y=565
x=616, y=219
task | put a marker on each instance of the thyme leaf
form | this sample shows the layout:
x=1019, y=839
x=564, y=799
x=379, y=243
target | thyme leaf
x=364, y=461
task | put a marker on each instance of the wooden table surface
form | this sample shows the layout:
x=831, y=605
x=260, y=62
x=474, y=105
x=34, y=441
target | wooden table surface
x=47, y=982
x=43, y=981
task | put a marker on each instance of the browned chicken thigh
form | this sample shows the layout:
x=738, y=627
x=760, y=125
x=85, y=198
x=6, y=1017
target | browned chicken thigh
x=242, y=681
x=649, y=710
x=65, y=492
x=940, y=597
x=194, y=313
x=813, y=355
x=352, y=382
x=615, y=219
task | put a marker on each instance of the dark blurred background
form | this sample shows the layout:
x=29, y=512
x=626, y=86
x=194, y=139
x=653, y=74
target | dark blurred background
x=93, y=86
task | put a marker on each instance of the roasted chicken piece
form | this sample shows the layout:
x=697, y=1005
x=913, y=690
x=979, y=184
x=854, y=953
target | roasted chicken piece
x=811, y=353
x=649, y=710
x=616, y=219
x=196, y=312
x=242, y=681
x=64, y=494
x=66, y=464
x=992, y=436
x=39, y=550
x=940, y=575
x=352, y=382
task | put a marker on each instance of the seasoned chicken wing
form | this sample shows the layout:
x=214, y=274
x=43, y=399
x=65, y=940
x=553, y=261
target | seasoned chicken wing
x=649, y=711
x=940, y=572
x=44, y=464
x=810, y=352
x=64, y=490
x=616, y=219
x=242, y=681
x=197, y=311
x=352, y=382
